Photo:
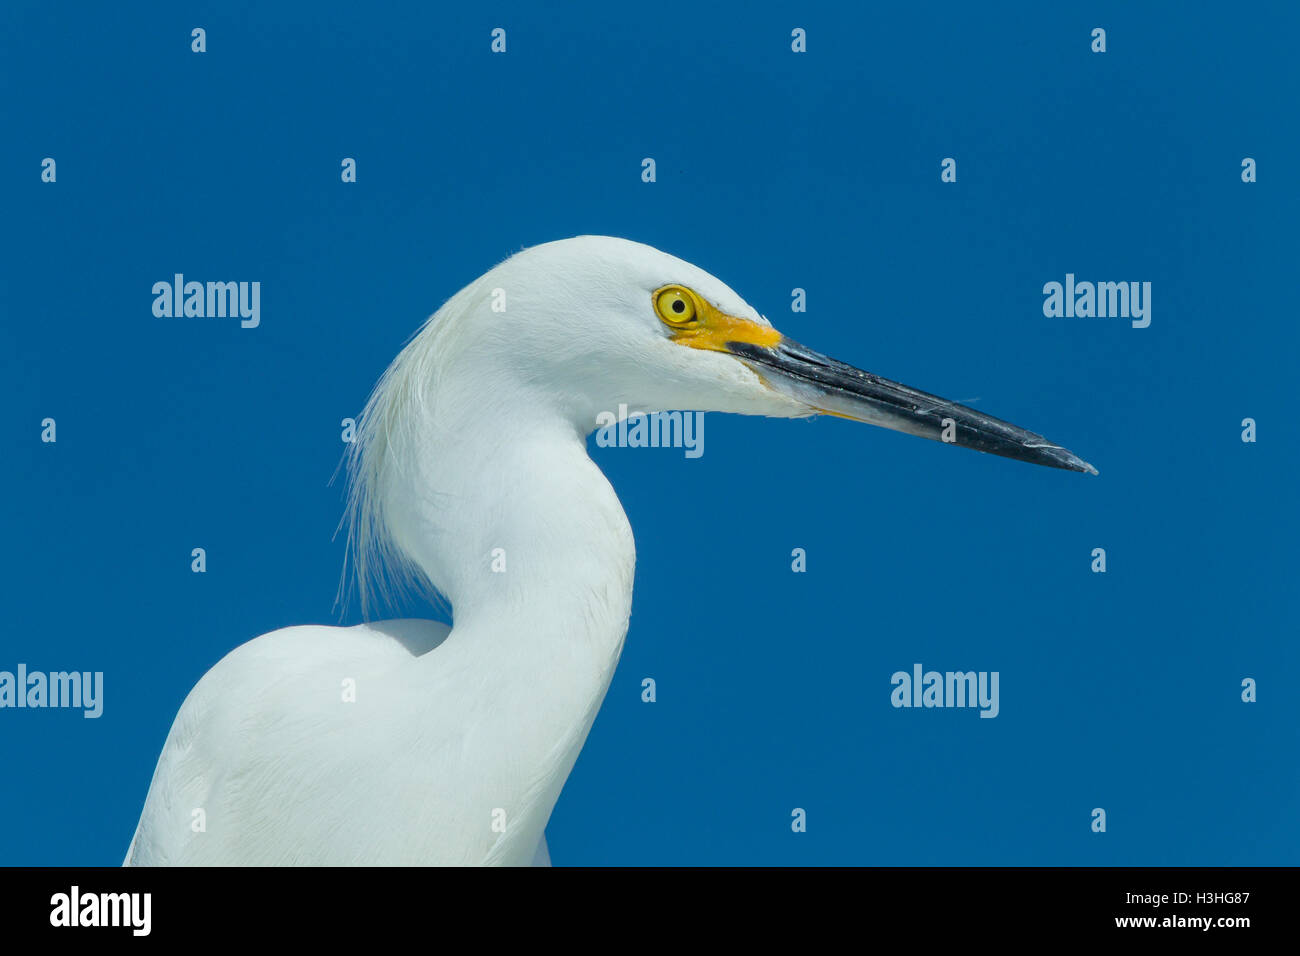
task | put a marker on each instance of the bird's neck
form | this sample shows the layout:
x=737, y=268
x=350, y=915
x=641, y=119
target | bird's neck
x=515, y=524
x=505, y=513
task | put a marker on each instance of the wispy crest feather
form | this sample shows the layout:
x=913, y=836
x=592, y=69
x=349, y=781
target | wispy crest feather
x=374, y=565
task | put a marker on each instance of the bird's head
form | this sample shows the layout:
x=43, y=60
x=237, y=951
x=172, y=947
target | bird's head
x=596, y=322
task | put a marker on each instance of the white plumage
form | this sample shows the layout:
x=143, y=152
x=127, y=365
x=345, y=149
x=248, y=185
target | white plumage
x=472, y=449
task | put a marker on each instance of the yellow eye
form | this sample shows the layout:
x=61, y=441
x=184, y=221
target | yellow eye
x=675, y=305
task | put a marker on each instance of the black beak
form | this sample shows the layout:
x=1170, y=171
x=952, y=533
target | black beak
x=839, y=389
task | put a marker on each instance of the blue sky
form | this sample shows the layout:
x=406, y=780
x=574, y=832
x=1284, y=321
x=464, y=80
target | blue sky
x=775, y=170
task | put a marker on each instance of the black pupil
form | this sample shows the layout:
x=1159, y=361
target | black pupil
x=679, y=305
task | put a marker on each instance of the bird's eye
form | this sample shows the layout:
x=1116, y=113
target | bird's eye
x=675, y=305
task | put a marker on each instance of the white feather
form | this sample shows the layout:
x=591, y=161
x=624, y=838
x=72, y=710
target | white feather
x=472, y=445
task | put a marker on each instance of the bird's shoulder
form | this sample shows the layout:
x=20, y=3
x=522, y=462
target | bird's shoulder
x=411, y=637
x=270, y=724
x=286, y=669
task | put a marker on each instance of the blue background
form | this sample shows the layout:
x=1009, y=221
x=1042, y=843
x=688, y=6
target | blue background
x=775, y=170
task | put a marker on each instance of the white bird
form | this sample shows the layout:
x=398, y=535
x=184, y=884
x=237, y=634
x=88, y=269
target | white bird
x=472, y=450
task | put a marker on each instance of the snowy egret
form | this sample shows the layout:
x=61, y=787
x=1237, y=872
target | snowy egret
x=402, y=742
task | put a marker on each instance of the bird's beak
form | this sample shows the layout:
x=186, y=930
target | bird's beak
x=834, y=388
